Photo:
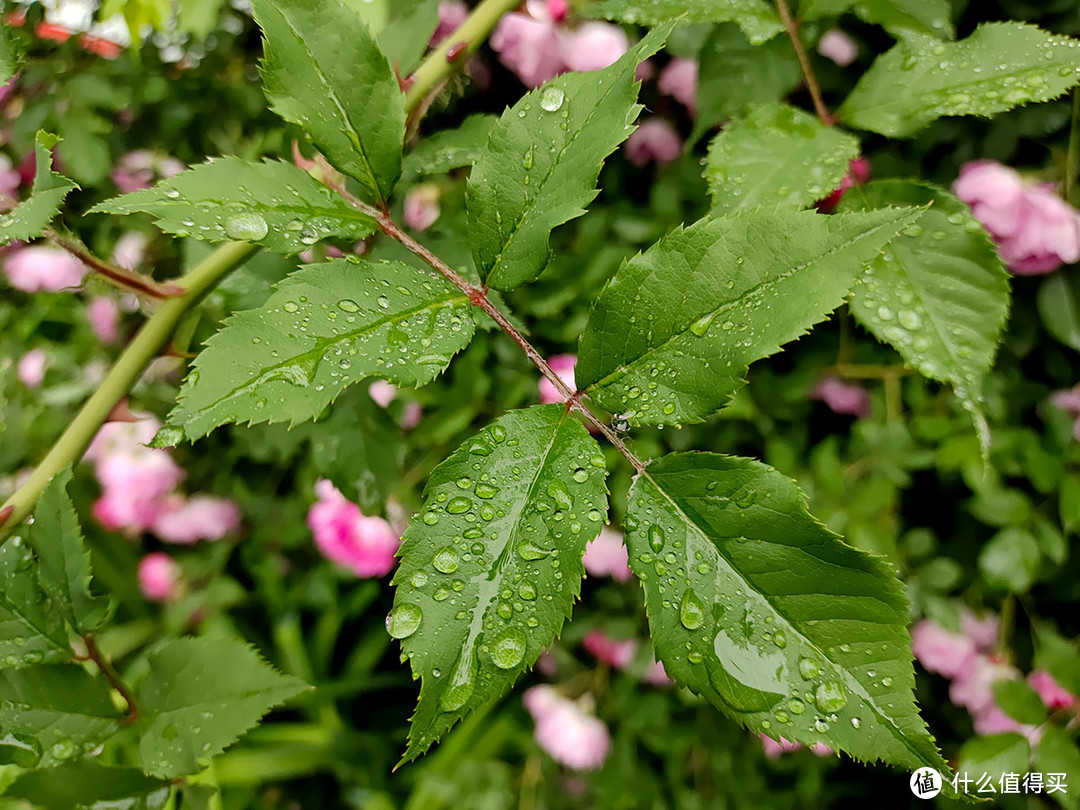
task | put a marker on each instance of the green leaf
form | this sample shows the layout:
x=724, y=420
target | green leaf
x=324, y=71
x=406, y=36
x=994, y=755
x=326, y=326
x=1010, y=560
x=756, y=18
x=198, y=696
x=272, y=204
x=60, y=709
x=1059, y=307
x=32, y=628
x=1000, y=66
x=776, y=156
x=87, y=783
x=671, y=336
x=450, y=149
x=492, y=565
x=1058, y=656
x=734, y=75
x=756, y=606
x=1069, y=503
x=1056, y=753
x=541, y=162
x=11, y=55
x=63, y=560
x=1019, y=701
x=30, y=217
x=899, y=17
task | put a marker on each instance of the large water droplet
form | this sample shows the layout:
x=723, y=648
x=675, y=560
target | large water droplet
x=246, y=227
x=459, y=506
x=809, y=668
x=403, y=621
x=552, y=99
x=656, y=538
x=446, y=560
x=692, y=612
x=508, y=649
x=830, y=697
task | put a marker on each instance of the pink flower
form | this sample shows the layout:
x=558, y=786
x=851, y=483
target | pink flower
x=382, y=392
x=974, y=685
x=569, y=735
x=858, y=173
x=982, y=630
x=104, y=316
x=679, y=80
x=31, y=368
x=617, y=654
x=606, y=556
x=594, y=46
x=940, y=651
x=451, y=15
x=774, y=749
x=159, y=577
x=842, y=397
x=656, y=675
x=1068, y=400
x=421, y=207
x=1051, y=692
x=133, y=487
x=129, y=250
x=563, y=366
x=528, y=47
x=995, y=721
x=187, y=520
x=411, y=415
x=655, y=140
x=44, y=268
x=838, y=46
x=344, y=535
x=142, y=168
x=123, y=437
x=1035, y=230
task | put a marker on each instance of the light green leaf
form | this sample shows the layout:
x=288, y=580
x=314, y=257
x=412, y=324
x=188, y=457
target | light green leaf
x=1058, y=656
x=326, y=326
x=63, y=561
x=541, y=162
x=491, y=566
x=776, y=156
x=1000, y=66
x=1056, y=753
x=272, y=204
x=939, y=294
x=1019, y=701
x=671, y=336
x=324, y=71
x=60, y=709
x=450, y=149
x=406, y=35
x=782, y=626
x=30, y=217
x=87, y=783
x=994, y=755
x=1059, y=307
x=198, y=696
x=1009, y=560
x=757, y=18
x=11, y=55
x=899, y=17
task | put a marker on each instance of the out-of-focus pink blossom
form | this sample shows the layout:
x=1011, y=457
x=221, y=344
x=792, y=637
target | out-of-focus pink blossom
x=1069, y=401
x=104, y=316
x=344, y=535
x=10, y=179
x=187, y=520
x=656, y=675
x=982, y=630
x=838, y=46
x=134, y=485
x=569, y=735
x=939, y=650
x=142, y=168
x=606, y=556
x=563, y=366
x=994, y=721
x=679, y=79
x=593, y=46
x=1036, y=231
x=451, y=15
x=1050, y=691
x=842, y=397
x=43, y=268
x=31, y=368
x=973, y=687
x=654, y=140
x=382, y=392
x=858, y=173
x=774, y=748
x=606, y=650
x=421, y=206
x=129, y=250
x=528, y=47
x=159, y=577
x=411, y=415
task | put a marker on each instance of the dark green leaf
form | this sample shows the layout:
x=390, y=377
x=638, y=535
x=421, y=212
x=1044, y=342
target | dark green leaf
x=32, y=628
x=11, y=55
x=88, y=784
x=491, y=566
x=450, y=149
x=756, y=18
x=899, y=17
x=1059, y=307
x=30, y=217
x=1019, y=701
x=1056, y=753
x=407, y=33
x=1010, y=560
x=1058, y=656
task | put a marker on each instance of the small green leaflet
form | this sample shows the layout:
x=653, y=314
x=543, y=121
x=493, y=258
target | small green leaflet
x=782, y=626
x=30, y=217
x=326, y=326
x=898, y=17
x=449, y=149
x=939, y=294
x=541, y=162
x=671, y=336
x=756, y=18
x=60, y=709
x=491, y=566
x=32, y=627
x=199, y=695
x=406, y=36
x=776, y=156
x=1056, y=752
x=1059, y=307
x=11, y=55
x=272, y=204
x=324, y=71
x=1000, y=66
x=87, y=783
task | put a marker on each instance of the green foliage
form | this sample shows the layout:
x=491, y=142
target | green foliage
x=671, y=336
x=994, y=755
x=775, y=156
x=756, y=18
x=11, y=55
x=198, y=696
x=325, y=327
x=32, y=629
x=450, y=149
x=492, y=565
x=1000, y=66
x=1059, y=306
x=899, y=17
x=272, y=204
x=87, y=783
x=1010, y=560
x=1056, y=752
x=540, y=166
x=30, y=217
x=324, y=71
x=1019, y=701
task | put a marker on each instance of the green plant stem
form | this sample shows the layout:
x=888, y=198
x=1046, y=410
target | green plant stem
x=114, y=679
x=804, y=62
x=150, y=340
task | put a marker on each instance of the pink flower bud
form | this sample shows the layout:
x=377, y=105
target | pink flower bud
x=679, y=79
x=31, y=368
x=187, y=520
x=842, y=397
x=421, y=207
x=858, y=173
x=838, y=46
x=43, y=268
x=159, y=577
x=344, y=535
x=104, y=316
x=569, y=735
x=1050, y=691
x=382, y=392
x=606, y=556
x=655, y=140
x=593, y=46
x=606, y=650
x=563, y=366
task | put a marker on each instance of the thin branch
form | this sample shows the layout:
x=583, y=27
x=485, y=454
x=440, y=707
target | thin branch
x=132, y=282
x=804, y=62
x=113, y=677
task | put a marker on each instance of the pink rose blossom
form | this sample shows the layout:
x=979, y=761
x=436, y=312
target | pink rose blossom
x=129, y=250
x=421, y=207
x=142, y=168
x=133, y=486
x=563, y=366
x=838, y=46
x=656, y=675
x=123, y=437
x=973, y=686
x=187, y=520
x=843, y=397
x=451, y=15
x=31, y=368
x=655, y=140
x=104, y=316
x=617, y=654
x=594, y=46
x=679, y=80
x=528, y=47
x=159, y=577
x=344, y=535
x=606, y=556
x=939, y=650
x=43, y=268
x=382, y=392
x=994, y=721
x=569, y=735
x=1051, y=692
x=982, y=630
